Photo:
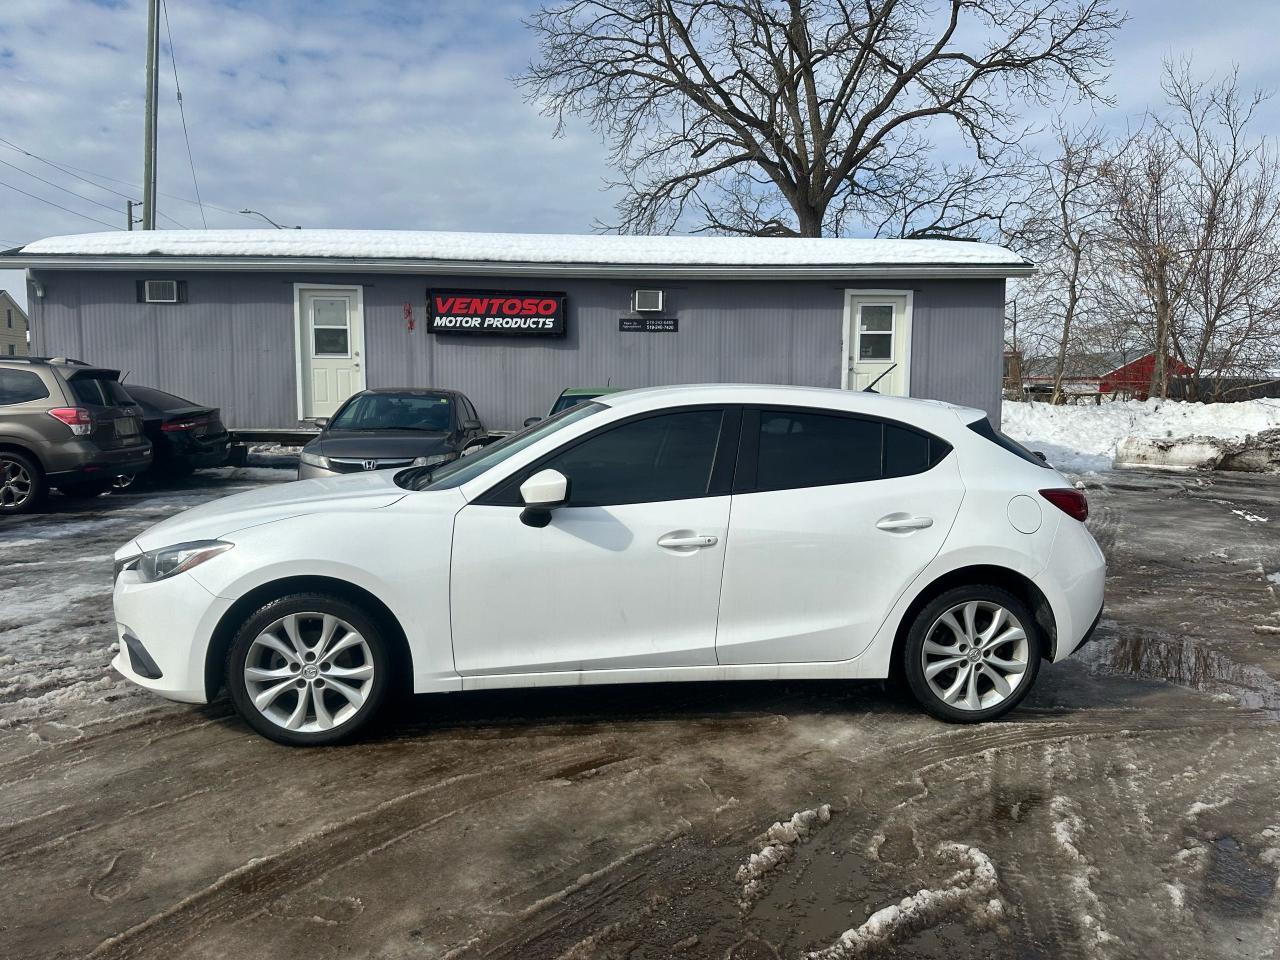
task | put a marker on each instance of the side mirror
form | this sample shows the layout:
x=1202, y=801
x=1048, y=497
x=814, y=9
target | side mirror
x=530, y=421
x=469, y=425
x=321, y=422
x=542, y=493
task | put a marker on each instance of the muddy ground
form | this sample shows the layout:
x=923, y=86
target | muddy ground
x=1130, y=809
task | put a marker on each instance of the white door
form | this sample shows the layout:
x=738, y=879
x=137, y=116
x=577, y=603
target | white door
x=616, y=579
x=878, y=343
x=331, y=347
x=846, y=513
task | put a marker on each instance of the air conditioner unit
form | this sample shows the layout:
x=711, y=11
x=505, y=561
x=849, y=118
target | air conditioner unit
x=647, y=301
x=161, y=291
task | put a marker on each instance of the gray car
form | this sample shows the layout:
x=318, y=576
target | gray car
x=392, y=427
x=66, y=425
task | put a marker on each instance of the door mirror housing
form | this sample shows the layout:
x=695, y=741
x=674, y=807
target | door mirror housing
x=530, y=421
x=542, y=493
x=321, y=422
x=470, y=425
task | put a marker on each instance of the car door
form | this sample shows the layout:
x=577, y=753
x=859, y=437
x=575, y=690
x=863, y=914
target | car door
x=626, y=574
x=833, y=516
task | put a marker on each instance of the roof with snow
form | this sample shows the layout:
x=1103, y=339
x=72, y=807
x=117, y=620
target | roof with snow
x=441, y=252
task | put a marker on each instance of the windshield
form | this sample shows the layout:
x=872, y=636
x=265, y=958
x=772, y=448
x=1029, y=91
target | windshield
x=468, y=468
x=395, y=411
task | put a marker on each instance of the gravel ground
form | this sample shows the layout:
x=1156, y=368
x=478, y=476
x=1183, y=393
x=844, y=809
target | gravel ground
x=1129, y=809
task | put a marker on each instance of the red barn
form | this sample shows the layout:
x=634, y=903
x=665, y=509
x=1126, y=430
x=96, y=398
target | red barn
x=1134, y=377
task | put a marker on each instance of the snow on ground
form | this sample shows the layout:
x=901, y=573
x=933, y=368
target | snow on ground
x=1082, y=438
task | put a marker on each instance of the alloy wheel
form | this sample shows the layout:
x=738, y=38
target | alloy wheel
x=15, y=484
x=309, y=672
x=975, y=655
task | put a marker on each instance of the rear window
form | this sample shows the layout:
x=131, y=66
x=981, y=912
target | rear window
x=20, y=386
x=100, y=390
x=983, y=428
x=158, y=399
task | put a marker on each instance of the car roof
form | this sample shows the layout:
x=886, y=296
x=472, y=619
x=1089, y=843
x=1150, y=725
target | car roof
x=416, y=391
x=853, y=401
x=590, y=391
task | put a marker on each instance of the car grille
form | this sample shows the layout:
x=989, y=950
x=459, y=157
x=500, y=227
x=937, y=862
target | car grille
x=353, y=465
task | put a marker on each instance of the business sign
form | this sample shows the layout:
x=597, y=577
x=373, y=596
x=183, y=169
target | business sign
x=499, y=312
x=649, y=325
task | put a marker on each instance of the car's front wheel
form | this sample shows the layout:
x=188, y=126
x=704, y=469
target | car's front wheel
x=309, y=669
x=972, y=654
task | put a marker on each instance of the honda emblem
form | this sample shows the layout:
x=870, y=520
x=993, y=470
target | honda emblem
x=371, y=464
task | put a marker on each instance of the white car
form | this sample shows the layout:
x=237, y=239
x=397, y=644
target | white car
x=680, y=533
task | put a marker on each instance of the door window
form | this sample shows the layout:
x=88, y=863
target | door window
x=667, y=457
x=875, y=331
x=330, y=327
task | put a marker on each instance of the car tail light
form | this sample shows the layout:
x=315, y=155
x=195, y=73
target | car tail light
x=77, y=418
x=175, y=426
x=1071, y=502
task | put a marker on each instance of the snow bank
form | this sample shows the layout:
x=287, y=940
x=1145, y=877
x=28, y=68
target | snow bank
x=1085, y=437
x=528, y=248
x=780, y=841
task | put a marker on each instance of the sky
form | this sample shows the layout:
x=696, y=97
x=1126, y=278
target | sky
x=378, y=113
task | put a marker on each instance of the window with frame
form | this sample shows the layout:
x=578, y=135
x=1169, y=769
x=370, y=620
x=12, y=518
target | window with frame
x=330, y=327
x=806, y=449
x=665, y=457
x=21, y=386
x=875, y=331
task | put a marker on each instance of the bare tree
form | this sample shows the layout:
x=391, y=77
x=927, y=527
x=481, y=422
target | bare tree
x=805, y=117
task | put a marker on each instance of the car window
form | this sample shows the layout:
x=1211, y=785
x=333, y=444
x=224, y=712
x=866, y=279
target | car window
x=812, y=450
x=21, y=386
x=99, y=389
x=983, y=428
x=566, y=402
x=468, y=468
x=395, y=411
x=158, y=399
x=666, y=457
x=803, y=449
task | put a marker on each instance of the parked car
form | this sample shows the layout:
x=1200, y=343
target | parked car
x=67, y=425
x=868, y=536
x=184, y=435
x=571, y=398
x=392, y=427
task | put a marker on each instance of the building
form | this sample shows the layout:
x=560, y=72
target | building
x=13, y=327
x=1133, y=378
x=278, y=327
x=1116, y=374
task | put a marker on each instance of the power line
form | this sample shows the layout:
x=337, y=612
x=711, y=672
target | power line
x=57, y=186
x=110, y=226
x=168, y=27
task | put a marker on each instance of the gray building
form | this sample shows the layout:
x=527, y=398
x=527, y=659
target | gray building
x=278, y=327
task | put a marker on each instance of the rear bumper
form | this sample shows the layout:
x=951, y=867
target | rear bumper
x=104, y=464
x=1074, y=583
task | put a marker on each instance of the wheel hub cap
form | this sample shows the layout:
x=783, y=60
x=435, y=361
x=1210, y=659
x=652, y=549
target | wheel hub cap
x=311, y=671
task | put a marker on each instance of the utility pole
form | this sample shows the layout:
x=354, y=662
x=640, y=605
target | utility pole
x=149, y=148
x=129, y=205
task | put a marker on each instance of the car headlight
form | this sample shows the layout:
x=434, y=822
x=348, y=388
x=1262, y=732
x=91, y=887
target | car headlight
x=435, y=459
x=314, y=460
x=170, y=561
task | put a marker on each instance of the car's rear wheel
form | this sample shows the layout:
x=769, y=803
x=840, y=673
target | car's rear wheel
x=22, y=483
x=972, y=654
x=309, y=669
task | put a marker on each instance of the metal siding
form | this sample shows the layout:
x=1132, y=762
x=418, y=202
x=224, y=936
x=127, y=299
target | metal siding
x=232, y=343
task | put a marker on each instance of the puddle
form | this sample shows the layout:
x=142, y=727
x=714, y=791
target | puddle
x=1187, y=664
x=1235, y=883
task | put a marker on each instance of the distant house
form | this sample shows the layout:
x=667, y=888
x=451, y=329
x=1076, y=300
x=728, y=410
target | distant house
x=13, y=327
x=1099, y=373
x=1134, y=378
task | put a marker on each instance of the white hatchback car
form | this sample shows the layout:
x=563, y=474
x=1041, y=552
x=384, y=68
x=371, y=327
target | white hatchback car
x=679, y=533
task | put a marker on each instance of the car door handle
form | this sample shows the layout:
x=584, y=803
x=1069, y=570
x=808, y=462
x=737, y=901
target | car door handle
x=904, y=523
x=671, y=540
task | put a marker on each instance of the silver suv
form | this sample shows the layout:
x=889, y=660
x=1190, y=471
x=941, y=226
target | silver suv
x=67, y=425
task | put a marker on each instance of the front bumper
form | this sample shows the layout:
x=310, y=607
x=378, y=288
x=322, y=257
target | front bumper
x=173, y=622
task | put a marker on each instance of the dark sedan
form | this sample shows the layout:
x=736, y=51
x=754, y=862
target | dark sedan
x=184, y=435
x=392, y=427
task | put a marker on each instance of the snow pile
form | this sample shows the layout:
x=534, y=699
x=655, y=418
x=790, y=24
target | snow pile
x=1086, y=437
x=780, y=841
x=1067, y=824
x=529, y=248
x=971, y=889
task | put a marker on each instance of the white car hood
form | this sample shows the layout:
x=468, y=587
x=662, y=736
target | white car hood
x=218, y=518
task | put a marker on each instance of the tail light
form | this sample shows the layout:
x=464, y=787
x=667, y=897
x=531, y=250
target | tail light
x=1071, y=502
x=77, y=418
x=176, y=426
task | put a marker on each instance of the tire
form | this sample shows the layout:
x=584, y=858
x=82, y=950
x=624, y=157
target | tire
x=945, y=689
x=86, y=491
x=293, y=671
x=22, y=484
